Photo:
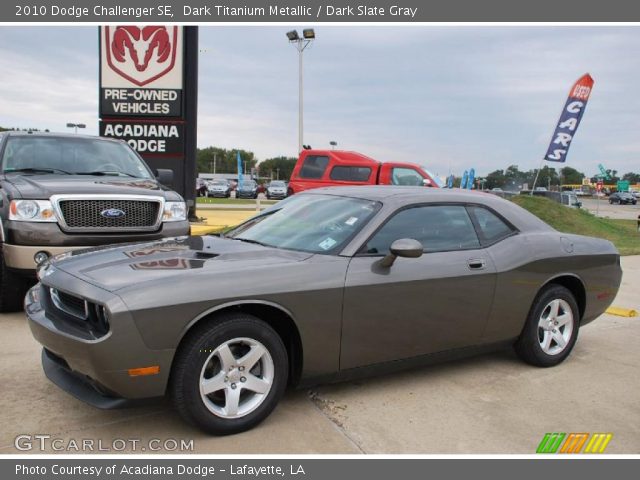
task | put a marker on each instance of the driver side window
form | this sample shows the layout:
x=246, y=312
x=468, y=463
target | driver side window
x=438, y=228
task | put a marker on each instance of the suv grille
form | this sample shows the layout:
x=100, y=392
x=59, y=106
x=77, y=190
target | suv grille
x=84, y=215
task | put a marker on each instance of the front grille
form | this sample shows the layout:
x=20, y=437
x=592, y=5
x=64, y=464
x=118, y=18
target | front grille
x=73, y=314
x=86, y=215
x=70, y=304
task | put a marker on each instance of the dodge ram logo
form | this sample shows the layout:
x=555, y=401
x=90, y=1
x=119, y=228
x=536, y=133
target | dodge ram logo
x=113, y=213
x=141, y=54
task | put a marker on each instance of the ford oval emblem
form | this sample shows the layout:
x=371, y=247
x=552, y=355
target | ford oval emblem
x=113, y=213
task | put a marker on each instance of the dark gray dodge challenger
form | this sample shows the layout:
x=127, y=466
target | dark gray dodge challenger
x=327, y=285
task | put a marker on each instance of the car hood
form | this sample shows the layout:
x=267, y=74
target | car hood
x=44, y=186
x=114, y=267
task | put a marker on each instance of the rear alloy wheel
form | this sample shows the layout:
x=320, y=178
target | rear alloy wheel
x=229, y=374
x=551, y=330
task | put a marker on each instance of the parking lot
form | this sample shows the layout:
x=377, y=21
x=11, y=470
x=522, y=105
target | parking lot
x=488, y=404
x=602, y=208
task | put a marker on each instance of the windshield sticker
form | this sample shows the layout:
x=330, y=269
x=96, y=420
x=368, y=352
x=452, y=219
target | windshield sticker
x=351, y=221
x=327, y=243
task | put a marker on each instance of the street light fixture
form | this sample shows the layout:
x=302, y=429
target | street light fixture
x=76, y=126
x=333, y=144
x=308, y=35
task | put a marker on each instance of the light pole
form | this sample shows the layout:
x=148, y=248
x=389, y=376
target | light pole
x=76, y=126
x=333, y=144
x=301, y=43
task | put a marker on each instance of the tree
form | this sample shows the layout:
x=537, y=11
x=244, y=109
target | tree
x=495, y=179
x=277, y=168
x=571, y=176
x=223, y=161
x=631, y=177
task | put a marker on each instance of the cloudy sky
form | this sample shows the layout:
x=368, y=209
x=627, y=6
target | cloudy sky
x=449, y=98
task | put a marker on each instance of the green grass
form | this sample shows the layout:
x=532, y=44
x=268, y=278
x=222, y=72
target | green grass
x=623, y=233
x=233, y=201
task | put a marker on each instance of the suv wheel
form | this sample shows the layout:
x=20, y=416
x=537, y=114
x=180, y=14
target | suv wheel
x=229, y=374
x=13, y=288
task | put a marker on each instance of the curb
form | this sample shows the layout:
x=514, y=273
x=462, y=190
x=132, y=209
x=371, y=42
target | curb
x=621, y=312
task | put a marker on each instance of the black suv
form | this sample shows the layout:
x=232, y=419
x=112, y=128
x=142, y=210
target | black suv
x=65, y=192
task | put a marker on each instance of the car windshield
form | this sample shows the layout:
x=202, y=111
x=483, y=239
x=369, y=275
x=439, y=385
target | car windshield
x=219, y=182
x=277, y=184
x=77, y=156
x=310, y=223
x=248, y=184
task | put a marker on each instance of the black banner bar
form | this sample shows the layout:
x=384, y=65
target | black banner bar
x=317, y=469
x=306, y=11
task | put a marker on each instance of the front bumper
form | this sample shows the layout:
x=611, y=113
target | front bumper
x=277, y=194
x=218, y=193
x=245, y=194
x=25, y=239
x=96, y=370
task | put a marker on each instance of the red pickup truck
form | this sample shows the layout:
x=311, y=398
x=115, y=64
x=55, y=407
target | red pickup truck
x=326, y=168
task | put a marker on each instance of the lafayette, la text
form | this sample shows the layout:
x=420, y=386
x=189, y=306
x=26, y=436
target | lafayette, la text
x=144, y=470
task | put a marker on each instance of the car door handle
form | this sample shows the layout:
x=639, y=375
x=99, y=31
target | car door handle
x=476, y=263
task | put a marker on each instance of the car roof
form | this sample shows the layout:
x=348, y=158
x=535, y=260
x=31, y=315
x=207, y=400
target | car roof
x=17, y=133
x=397, y=196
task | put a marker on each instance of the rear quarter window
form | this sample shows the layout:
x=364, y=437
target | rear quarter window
x=350, y=174
x=491, y=228
x=314, y=166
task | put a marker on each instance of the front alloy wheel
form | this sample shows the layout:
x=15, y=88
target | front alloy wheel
x=236, y=378
x=229, y=373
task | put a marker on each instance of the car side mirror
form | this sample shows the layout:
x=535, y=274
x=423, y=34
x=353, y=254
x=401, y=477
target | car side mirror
x=164, y=176
x=404, y=247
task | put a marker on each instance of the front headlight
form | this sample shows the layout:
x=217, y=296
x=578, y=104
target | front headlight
x=32, y=211
x=174, y=212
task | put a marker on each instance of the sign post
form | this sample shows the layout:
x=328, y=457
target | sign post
x=148, y=96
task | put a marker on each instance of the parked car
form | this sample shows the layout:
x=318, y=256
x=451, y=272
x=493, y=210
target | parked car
x=218, y=188
x=249, y=189
x=277, y=189
x=201, y=187
x=568, y=199
x=326, y=168
x=66, y=192
x=622, y=198
x=368, y=279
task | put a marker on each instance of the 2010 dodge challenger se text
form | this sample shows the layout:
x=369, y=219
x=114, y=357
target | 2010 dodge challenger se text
x=325, y=285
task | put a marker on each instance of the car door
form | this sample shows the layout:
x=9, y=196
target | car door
x=417, y=306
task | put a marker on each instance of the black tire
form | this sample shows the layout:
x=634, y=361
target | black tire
x=528, y=345
x=196, y=350
x=13, y=288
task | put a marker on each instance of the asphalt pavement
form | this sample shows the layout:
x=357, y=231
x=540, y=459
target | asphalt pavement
x=602, y=208
x=488, y=404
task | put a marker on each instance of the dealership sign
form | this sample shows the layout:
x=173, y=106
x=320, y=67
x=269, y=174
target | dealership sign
x=569, y=119
x=141, y=70
x=164, y=138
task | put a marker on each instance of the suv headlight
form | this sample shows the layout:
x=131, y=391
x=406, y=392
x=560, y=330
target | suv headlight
x=174, y=212
x=32, y=211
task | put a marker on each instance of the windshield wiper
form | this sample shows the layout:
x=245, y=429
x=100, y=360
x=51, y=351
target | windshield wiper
x=37, y=170
x=104, y=173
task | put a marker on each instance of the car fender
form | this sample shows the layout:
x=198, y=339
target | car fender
x=235, y=303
